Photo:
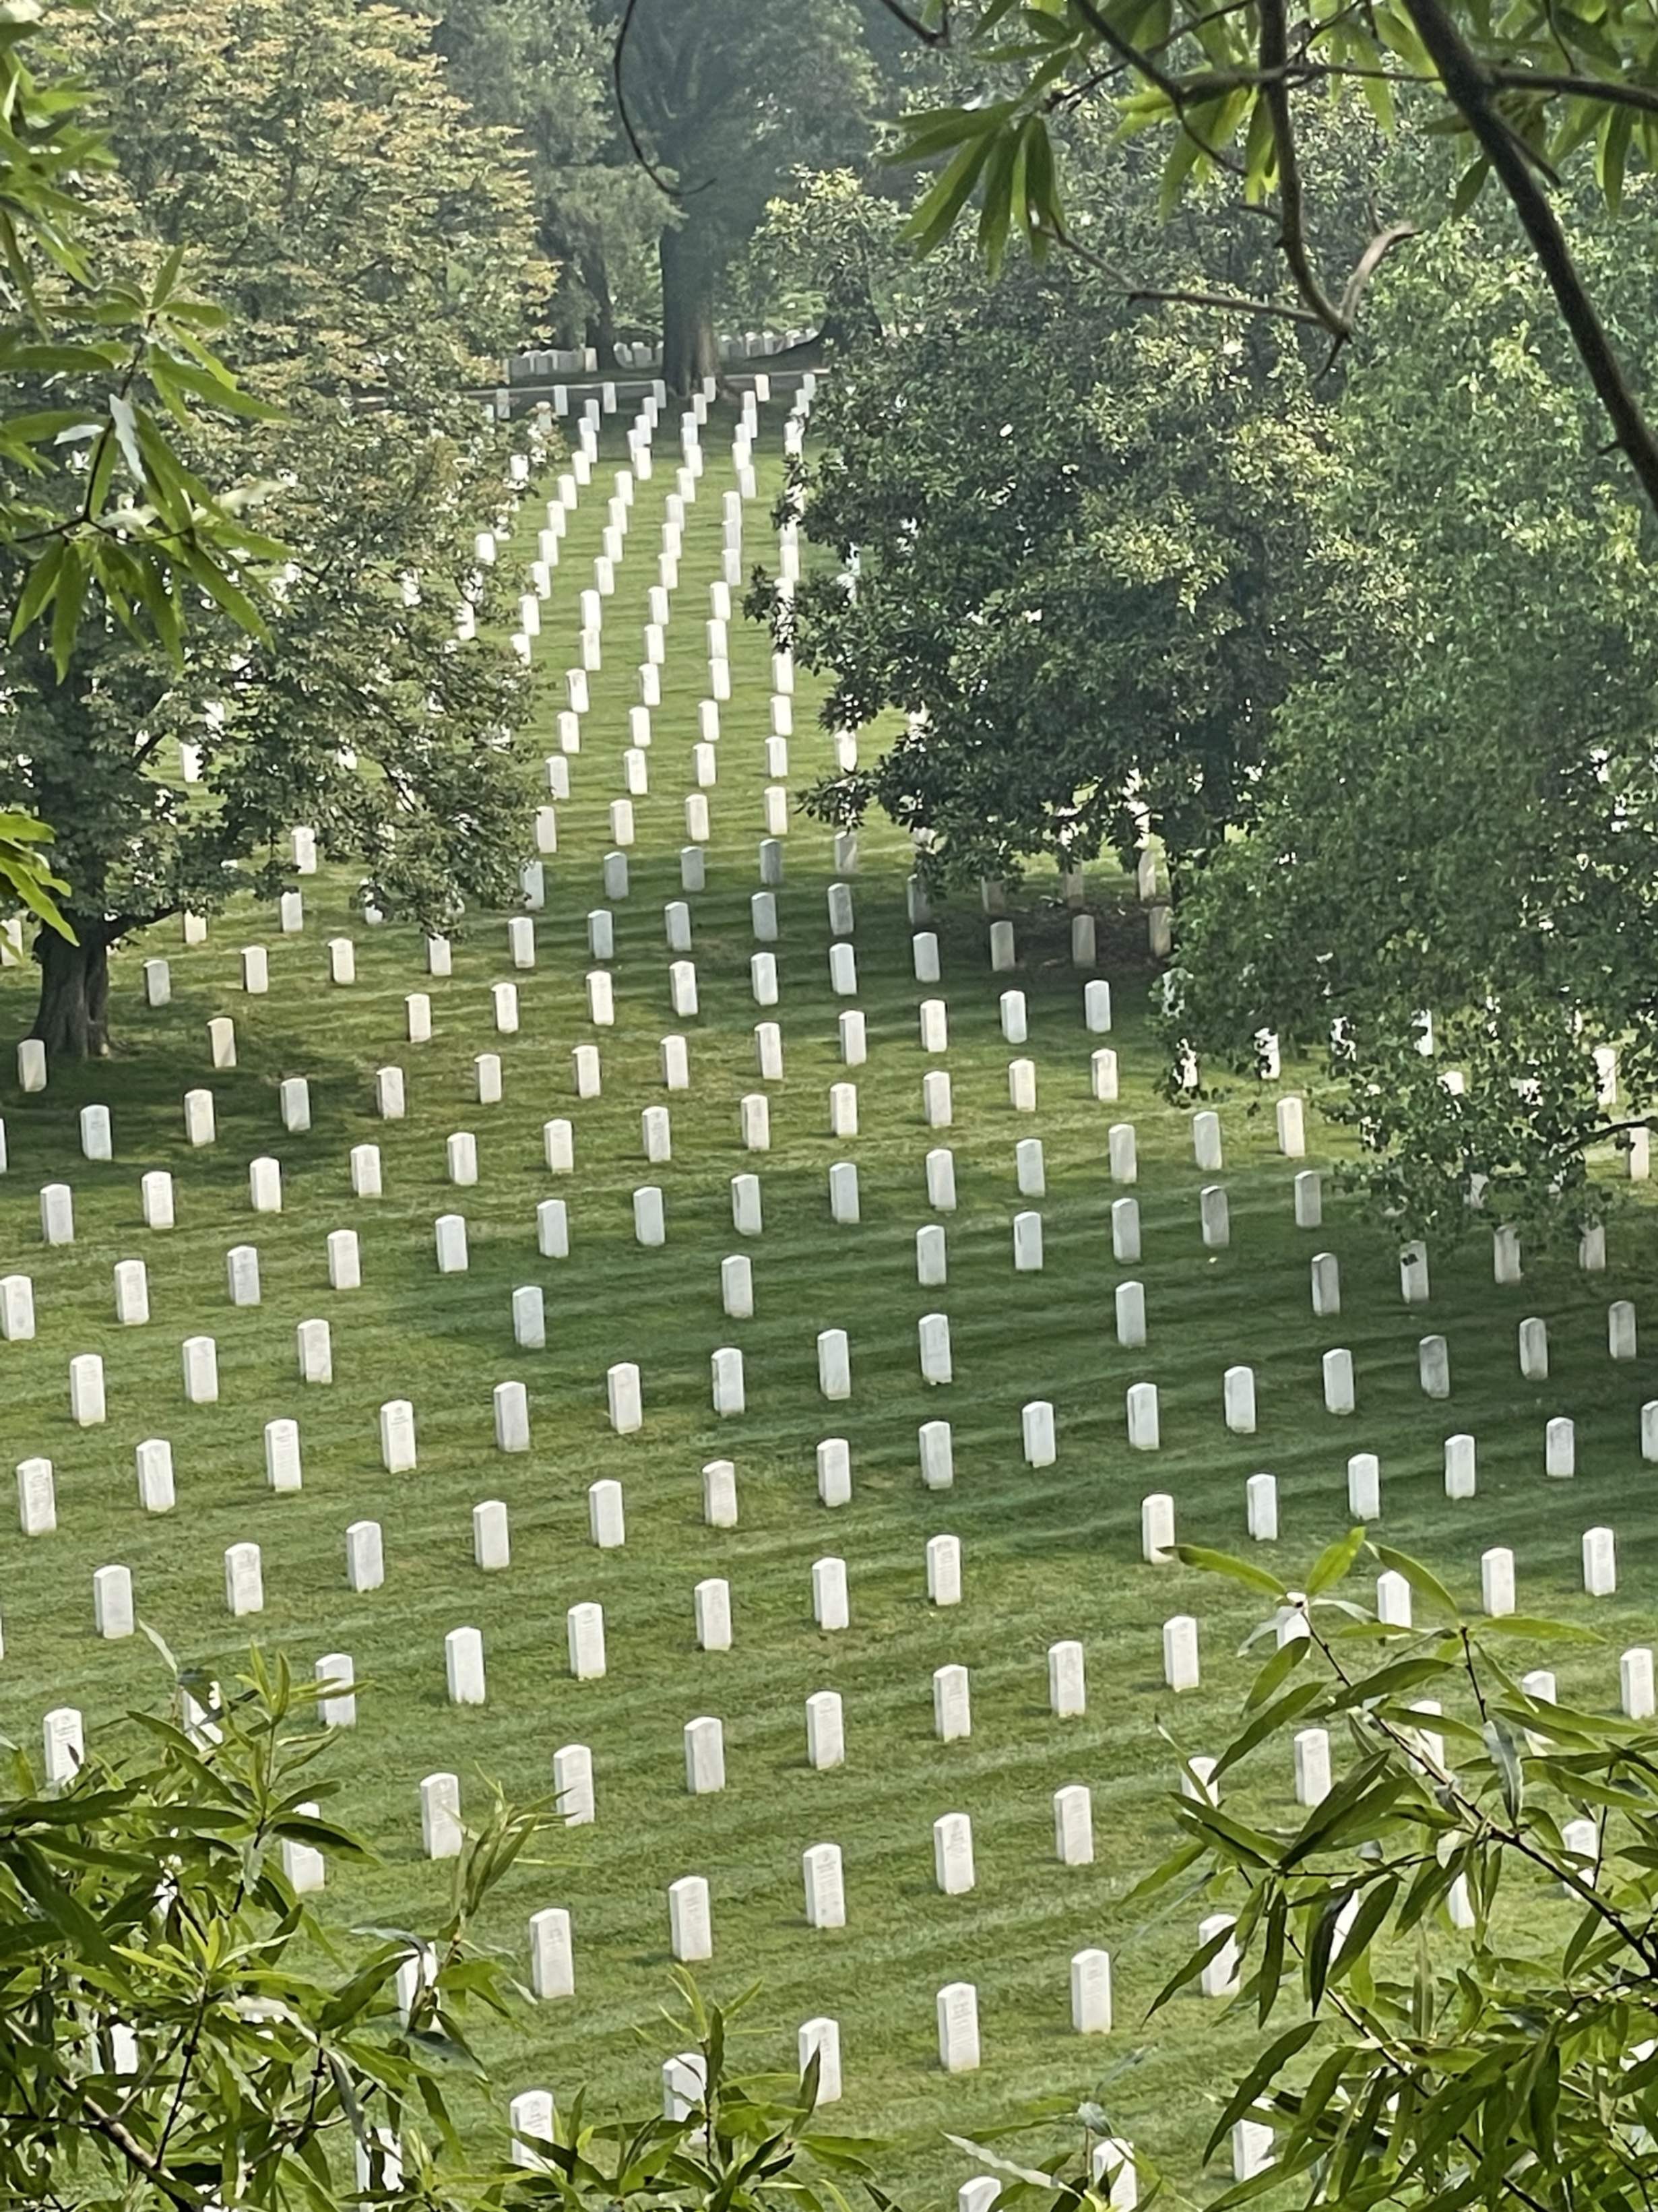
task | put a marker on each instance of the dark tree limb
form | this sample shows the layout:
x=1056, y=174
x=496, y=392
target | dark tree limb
x=657, y=176
x=1230, y=302
x=1292, y=225
x=1615, y=93
x=1471, y=92
x=930, y=35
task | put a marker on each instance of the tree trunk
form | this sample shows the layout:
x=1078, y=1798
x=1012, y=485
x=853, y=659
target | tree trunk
x=689, y=351
x=601, y=320
x=72, y=1020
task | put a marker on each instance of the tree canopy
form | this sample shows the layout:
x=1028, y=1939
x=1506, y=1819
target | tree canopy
x=1088, y=567
x=543, y=68
x=103, y=367
x=1366, y=651
x=372, y=247
x=1234, y=94
x=1456, y=819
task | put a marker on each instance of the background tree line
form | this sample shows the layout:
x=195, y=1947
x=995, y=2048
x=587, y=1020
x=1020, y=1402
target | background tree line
x=1364, y=642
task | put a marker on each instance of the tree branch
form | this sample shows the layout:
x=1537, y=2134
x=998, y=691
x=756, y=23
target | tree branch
x=1470, y=90
x=1170, y=87
x=1616, y=93
x=1292, y=230
x=133, y=2151
x=1233, y=302
x=1367, y=264
x=657, y=176
x=913, y=25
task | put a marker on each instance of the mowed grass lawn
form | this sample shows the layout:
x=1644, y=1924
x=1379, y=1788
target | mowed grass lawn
x=1047, y=1554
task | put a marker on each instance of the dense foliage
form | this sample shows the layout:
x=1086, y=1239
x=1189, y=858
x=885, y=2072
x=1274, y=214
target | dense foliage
x=1458, y=817
x=372, y=247
x=1244, y=95
x=1368, y=651
x=99, y=514
x=101, y=362
x=1088, y=567
x=542, y=68
x=1453, y=1940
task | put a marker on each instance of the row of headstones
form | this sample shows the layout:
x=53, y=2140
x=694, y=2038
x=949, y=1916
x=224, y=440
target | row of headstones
x=313, y=1339
x=37, y=1507
x=391, y=1098
x=16, y=1304
x=703, y=1737
x=825, y=1731
x=17, y=1314
x=730, y=347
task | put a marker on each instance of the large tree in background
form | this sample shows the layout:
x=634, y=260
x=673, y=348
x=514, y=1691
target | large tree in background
x=543, y=67
x=98, y=516
x=371, y=245
x=1089, y=553
x=725, y=100
x=1460, y=819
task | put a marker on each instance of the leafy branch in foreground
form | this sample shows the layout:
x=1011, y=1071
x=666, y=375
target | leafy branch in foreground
x=1234, y=92
x=102, y=372
x=25, y=869
x=176, y=2027
x=1457, y=1946
x=727, y=2140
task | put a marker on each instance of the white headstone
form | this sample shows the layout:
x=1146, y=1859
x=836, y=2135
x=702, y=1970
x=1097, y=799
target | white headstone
x=830, y=1604
x=691, y=1930
x=365, y=1558
x=1067, y=1695
x=958, y=2027
x=584, y=1627
x=244, y=1581
x=200, y=1356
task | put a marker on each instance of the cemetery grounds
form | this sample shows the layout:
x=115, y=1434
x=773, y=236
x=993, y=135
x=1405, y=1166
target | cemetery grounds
x=1046, y=1553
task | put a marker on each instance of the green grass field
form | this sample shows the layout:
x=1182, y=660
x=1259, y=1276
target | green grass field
x=1047, y=1554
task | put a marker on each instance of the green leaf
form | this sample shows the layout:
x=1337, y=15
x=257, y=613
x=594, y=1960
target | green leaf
x=1427, y=1584
x=1469, y=186
x=1272, y=1718
x=39, y=586
x=938, y=209
x=123, y=421
x=1271, y=2063
x=1355, y=1939
x=1332, y=1563
x=1238, y=1571
x=1531, y=1631
x=1169, y=1869
x=1505, y=1757
x=66, y=607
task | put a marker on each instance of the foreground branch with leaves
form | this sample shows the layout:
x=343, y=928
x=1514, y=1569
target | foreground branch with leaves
x=1463, y=1933
x=105, y=373
x=181, y=2026
x=175, y=2027
x=1235, y=94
